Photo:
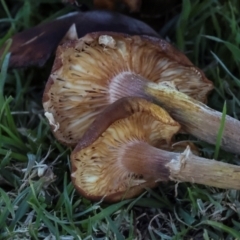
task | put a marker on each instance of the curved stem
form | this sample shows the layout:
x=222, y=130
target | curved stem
x=160, y=165
x=196, y=118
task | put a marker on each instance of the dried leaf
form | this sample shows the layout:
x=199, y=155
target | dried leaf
x=34, y=46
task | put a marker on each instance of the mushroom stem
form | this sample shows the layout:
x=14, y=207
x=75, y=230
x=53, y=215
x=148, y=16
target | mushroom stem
x=142, y=158
x=195, y=117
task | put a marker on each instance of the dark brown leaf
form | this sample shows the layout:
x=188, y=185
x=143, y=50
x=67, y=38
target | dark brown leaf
x=34, y=46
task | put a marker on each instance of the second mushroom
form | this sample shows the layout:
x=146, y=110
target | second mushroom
x=124, y=157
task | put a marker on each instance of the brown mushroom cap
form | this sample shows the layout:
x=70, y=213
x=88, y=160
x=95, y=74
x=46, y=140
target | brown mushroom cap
x=97, y=169
x=86, y=74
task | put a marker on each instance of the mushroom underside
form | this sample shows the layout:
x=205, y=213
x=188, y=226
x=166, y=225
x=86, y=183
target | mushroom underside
x=98, y=170
x=88, y=73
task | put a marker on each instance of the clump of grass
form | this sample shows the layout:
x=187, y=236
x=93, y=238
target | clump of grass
x=37, y=199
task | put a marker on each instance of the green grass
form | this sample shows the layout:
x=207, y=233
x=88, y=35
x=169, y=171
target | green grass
x=37, y=198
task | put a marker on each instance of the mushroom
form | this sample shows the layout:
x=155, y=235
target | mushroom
x=84, y=79
x=97, y=163
x=120, y=159
x=96, y=70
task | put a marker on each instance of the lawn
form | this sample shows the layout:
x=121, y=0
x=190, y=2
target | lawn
x=37, y=198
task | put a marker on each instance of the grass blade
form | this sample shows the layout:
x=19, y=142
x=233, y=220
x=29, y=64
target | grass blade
x=220, y=132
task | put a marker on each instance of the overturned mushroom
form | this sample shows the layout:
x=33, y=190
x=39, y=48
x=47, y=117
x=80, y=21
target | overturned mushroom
x=90, y=73
x=114, y=5
x=99, y=159
x=96, y=70
x=119, y=160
